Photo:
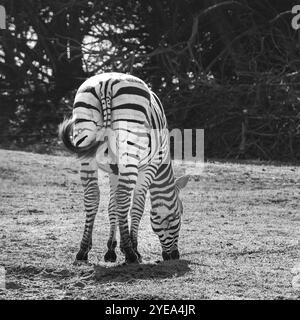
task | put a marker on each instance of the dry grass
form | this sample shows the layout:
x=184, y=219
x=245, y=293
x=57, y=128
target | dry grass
x=239, y=238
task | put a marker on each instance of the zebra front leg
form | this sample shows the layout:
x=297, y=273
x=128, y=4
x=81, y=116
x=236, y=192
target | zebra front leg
x=110, y=255
x=128, y=146
x=145, y=178
x=89, y=179
x=123, y=205
x=126, y=184
x=136, y=213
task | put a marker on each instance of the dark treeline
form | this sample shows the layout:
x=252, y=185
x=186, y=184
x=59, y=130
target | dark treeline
x=229, y=67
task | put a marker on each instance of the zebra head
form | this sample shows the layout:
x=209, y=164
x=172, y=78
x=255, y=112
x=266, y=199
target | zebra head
x=167, y=224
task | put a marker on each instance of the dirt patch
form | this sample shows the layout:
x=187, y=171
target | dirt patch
x=239, y=236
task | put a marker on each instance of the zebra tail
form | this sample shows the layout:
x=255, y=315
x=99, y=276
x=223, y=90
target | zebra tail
x=65, y=132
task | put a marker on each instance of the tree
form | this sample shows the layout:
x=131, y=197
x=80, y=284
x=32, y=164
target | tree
x=230, y=67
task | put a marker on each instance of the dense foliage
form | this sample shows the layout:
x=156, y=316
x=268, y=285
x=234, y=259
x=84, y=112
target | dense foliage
x=230, y=67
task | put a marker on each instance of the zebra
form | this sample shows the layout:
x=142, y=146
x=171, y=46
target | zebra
x=124, y=105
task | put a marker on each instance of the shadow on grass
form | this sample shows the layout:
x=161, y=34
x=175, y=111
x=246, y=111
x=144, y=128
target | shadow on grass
x=125, y=273
x=31, y=272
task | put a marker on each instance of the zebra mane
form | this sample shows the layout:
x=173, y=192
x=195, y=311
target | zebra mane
x=65, y=132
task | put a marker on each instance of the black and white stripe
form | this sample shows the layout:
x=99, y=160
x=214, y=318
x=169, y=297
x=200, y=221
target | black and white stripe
x=138, y=160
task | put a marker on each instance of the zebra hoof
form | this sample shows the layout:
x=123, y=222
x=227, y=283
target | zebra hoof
x=165, y=256
x=140, y=259
x=175, y=255
x=130, y=256
x=81, y=263
x=110, y=256
x=82, y=256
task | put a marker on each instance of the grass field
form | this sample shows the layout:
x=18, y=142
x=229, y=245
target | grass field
x=239, y=236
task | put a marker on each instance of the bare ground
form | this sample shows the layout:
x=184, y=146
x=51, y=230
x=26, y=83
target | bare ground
x=239, y=238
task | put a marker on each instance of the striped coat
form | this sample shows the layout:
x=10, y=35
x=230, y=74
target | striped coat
x=119, y=126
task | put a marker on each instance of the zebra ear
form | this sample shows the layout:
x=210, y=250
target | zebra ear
x=181, y=182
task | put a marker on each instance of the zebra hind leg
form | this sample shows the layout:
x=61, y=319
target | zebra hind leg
x=110, y=255
x=145, y=179
x=89, y=179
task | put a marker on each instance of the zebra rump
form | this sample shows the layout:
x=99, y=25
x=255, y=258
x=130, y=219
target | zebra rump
x=65, y=132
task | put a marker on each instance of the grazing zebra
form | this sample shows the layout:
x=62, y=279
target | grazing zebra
x=119, y=126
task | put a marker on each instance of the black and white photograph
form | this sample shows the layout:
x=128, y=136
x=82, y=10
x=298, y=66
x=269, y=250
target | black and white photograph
x=149, y=151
